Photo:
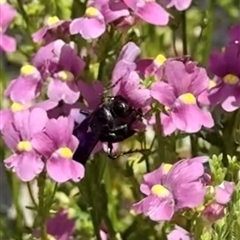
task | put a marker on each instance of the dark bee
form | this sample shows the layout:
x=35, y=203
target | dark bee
x=110, y=122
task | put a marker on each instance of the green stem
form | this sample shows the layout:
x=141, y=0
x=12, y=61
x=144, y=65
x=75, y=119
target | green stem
x=161, y=142
x=50, y=201
x=194, y=145
x=184, y=32
x=41, y=208
x=31, y=195
x=208, y=32
x=25, y=16
x=95, y=224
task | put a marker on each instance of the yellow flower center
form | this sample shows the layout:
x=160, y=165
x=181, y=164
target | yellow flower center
x=200, y=208
x=24, y=146
x=27, y=70
x=92, y=12
x=159, y=60
x=50, y=237
x=15, y=107
x=159, y=190
x=65, y=152
x=231, y=79
x=211, y=84
x=166, y=167
x=52, y=20
x=2, y=1
x=188, y=98
x=65, y=76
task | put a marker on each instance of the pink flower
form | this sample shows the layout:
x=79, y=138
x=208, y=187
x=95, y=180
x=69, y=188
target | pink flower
x=60, y=227
x=7, y=13
x=180, y=5
x=57, y=145
x=97, y=15
x=26, y=86
x=53, y=29
x=182, y=92
x=59, y=63
x=91, y=25
x=171, y=188
x=19, y=135
x=149, y=11
x=179, y=233
x=215, y=210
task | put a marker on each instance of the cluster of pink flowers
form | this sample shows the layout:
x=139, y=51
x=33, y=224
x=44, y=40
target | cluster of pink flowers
x=39, y=133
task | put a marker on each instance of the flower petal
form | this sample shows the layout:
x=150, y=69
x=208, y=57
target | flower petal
x=178, y=77
x=43, y=144
x=167, y=124
x=155, y=208
x=153, y=13
x=194, y=197
x=63, y=126
x=190, y=118
x=224, y=192
x=62, y=170
x=7, y=44
x=151, y=179
x=28, y=166
x=89, y=28
x=184, y=171
x=37, y=120
x=163, y=93
x=216, y=64
x=10, y=136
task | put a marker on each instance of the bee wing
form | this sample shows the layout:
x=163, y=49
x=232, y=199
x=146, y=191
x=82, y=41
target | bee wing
x=87, y=141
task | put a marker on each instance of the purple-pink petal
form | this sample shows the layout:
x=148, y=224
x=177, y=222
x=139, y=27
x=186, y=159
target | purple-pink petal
x=216, y=64
x=179, y=234
x=7, y=43
x=88, y=28
x=153, y=13
x=66, y=91
x=180, y=5
x=223, y=192
x=7, y=13
x=26, y=165
x=63, y=126
x=150, y=179
x=167, y=123
x=178, y=77
x=23, y=89
x=189, y=195
x=39, y=34
x=163, y=93
x=234, y=34
x=62, y=170
x=184, y=171
x=43, y=144
x=6, y=117
x=155, y=208
x=10, y=135
x=60, y=226
x=91, y=92
x=190, y=118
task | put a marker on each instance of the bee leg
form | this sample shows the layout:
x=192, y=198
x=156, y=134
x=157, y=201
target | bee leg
x=110, y=151
x=84, y=112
